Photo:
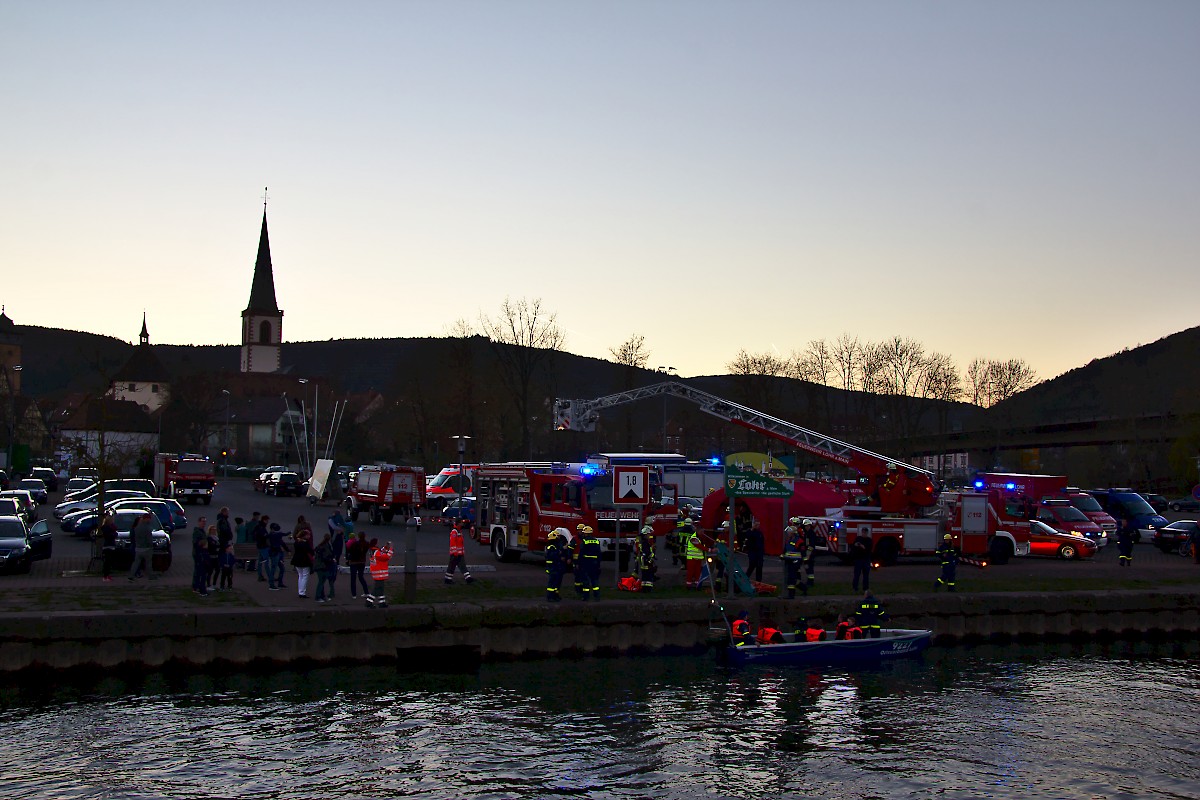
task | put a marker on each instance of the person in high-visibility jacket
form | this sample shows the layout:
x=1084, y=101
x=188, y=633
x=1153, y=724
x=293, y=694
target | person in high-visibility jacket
x=556, y=563
x=589, y=563
x=794, y=552
x=741, y=630
x=458, y=558
x=947, y=553
x=378, y=561
x=871, y=615
x=647, y=563
x=694, y=552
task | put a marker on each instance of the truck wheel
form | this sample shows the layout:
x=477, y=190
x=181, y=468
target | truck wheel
x=353, y=514
x=376, y=517
x=1068, y=552
x=1001, y=551
x=501, y=550
x=887, y=551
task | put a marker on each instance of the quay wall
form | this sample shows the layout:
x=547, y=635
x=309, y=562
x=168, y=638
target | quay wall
x=424, y=636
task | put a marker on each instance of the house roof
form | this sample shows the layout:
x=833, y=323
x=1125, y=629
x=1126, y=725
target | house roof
x=107, y=414
x=143, y=366
x=251, y=410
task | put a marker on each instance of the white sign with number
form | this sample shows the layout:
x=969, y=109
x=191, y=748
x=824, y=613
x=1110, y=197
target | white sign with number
x=631, y=485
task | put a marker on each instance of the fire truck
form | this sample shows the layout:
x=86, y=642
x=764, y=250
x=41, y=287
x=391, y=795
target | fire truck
x=383, y=492
x=1047, y=487
x=894, y=496
x=184, y=476
x=518, y=504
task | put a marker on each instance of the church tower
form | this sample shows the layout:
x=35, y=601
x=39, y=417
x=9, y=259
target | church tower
x=10, y=356
x=262, y=321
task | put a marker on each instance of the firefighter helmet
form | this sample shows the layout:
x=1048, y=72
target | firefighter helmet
x=807, y=522
x=647, y=529
x=794, y=520
x=947, y=536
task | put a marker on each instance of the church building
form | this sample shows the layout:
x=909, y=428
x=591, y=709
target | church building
x=262, y=321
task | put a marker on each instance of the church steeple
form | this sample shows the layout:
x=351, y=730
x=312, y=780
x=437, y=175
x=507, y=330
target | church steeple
x=144, y=336
x=262, y=321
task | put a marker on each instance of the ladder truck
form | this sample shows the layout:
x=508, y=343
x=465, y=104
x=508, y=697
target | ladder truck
x=898, y=494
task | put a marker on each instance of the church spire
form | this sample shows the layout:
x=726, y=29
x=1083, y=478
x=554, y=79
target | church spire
x=262, y=290
x=144, y=336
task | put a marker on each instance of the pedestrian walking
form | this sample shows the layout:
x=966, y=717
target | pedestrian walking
x=356, y=558
x=325, y=566
x=379, y=559
x=142, y=540
x=1125, y=543
x=276, y=547
x=458, y=558
x=860, y=552
x=108, y=546
x=227, y=562
x=947, y=554
x=302, y=559
x=794, y=544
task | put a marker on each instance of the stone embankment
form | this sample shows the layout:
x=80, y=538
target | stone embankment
x=436, y=636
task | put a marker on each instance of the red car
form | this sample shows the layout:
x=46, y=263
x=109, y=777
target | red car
x=1045, y=541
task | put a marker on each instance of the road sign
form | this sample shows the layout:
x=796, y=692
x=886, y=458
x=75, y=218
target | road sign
x=631, y=486
x=739, y=483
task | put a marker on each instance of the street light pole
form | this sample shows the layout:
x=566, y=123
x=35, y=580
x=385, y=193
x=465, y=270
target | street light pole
x=225, y=437
x=12, y=419
x=669, y=372
x=462, y=450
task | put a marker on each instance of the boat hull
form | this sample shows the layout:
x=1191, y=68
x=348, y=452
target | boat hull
x=892, y=645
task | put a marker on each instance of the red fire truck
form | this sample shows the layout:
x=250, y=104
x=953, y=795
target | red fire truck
x=384, y=492
x=1038, y=488
x=895, y=496
x=184, y=476
x=518, y=504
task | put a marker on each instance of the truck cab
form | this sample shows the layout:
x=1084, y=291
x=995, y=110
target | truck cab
x=1130, y=510
x=1062, y=516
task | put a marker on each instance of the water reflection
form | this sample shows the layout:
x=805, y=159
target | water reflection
x=1115, y=720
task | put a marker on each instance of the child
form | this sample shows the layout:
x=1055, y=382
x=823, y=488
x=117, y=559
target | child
x=227, y=562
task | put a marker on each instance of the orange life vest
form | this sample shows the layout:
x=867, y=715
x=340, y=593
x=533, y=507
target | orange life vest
x=854, y=633
x=456, y=542
x=380, y=557
x=814, y=634
x=769, y=636
x=741, y=628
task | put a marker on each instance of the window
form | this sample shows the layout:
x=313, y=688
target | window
x=546, y=489
x=154, y=388
x=264, y=331
x=133, y=387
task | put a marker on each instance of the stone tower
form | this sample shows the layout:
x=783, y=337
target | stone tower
x=262, y=321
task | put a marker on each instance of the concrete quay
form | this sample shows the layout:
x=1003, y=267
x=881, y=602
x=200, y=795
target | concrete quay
x=439, y=635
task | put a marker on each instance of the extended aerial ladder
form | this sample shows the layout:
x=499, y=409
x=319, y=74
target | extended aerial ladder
x=900, y=488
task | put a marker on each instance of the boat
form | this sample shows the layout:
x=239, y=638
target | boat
x=893, y=643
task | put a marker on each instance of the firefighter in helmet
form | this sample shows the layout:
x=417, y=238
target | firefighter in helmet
x=556, y=563
x=647, y=564
x=589, y=564
x=795, y=545
x=947, y=553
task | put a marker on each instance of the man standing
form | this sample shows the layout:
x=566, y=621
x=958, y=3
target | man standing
x=458, y=558
x=811, y=540
x=1125, y=543
x=142, y=540
x=200, y=556
x=871, y=615
x=275, y=550
x=860, y=551
x=647, y=563
x=337, y=534
x=756, y=547
x=947, y=553
x=589, y=563
x=693, y=550
x=356, y=558
x=793, y=557
x=379, y=559
x=556, y=564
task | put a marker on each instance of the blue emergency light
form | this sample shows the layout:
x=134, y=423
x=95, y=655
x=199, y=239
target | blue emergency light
x=978, y=484
x=591, y=469
x=715, y=461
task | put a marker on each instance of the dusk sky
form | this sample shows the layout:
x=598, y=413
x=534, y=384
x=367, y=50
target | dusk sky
x=993, y=179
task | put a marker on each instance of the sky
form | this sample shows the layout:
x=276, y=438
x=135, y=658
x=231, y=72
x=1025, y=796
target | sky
x=993, y=179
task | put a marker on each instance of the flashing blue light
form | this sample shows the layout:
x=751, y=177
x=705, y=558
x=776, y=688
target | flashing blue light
x=715, y=461
x=1010, y=486
x=590, y=469
x=978, y=484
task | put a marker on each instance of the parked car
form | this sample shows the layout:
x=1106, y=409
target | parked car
x=1045, y=541
x=1168, y=538
x=41, y=539
x=1129, y=508
x=14, y=507
x=87, y=472
x=36, y=487
x=1065, y=518
x=16, y=551
x=1157, y=502
x=261, y=481
x=76, y=485
x=3, y=479
x=85, y=524
x=25, y=500
x=47, y=476
x=179, y=518
x=123, y=556
x=282, y=484
x=1184, y=504
x=457, y=509
x=67, y=506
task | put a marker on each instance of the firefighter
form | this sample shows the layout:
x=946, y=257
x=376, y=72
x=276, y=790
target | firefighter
x=948, y=554
x=1125, y=543
x=647, y=564
x=741, y=629
x=694, y=553
x=378, y=560
x=794, y=552
x=589, y=563
x=458, y=558
x=860, y=552
x=556, y=563
x=576, y=562
x=871, y=615
x=811, y=538
x=683, y=529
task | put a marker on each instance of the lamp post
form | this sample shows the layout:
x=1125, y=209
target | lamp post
x=669, y=372
x=462, y=450
x=304, y=421
x=225, y=436
x=12, y=418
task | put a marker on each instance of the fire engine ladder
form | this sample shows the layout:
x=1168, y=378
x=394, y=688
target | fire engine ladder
x=581, y=415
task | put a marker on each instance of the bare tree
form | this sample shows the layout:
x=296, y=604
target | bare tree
x=847, y=354
x=994, y=381
x=524, y=339
x=633, y=356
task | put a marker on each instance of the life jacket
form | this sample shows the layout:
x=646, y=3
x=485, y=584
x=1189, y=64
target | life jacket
x=769, y=636
x=843, y=629
x=741, y=628
x=456, y=542
x=814, y=634
x=380, y=557
x=629, y=584
x=854, y=633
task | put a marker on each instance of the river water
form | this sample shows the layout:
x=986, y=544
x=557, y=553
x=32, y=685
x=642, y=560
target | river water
x=1103, y=721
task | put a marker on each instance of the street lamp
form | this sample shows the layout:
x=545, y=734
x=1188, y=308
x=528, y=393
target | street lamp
x=225, y=437
x=12, y=417
x=669, y=372
x=307, y=460
x=462, y=450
